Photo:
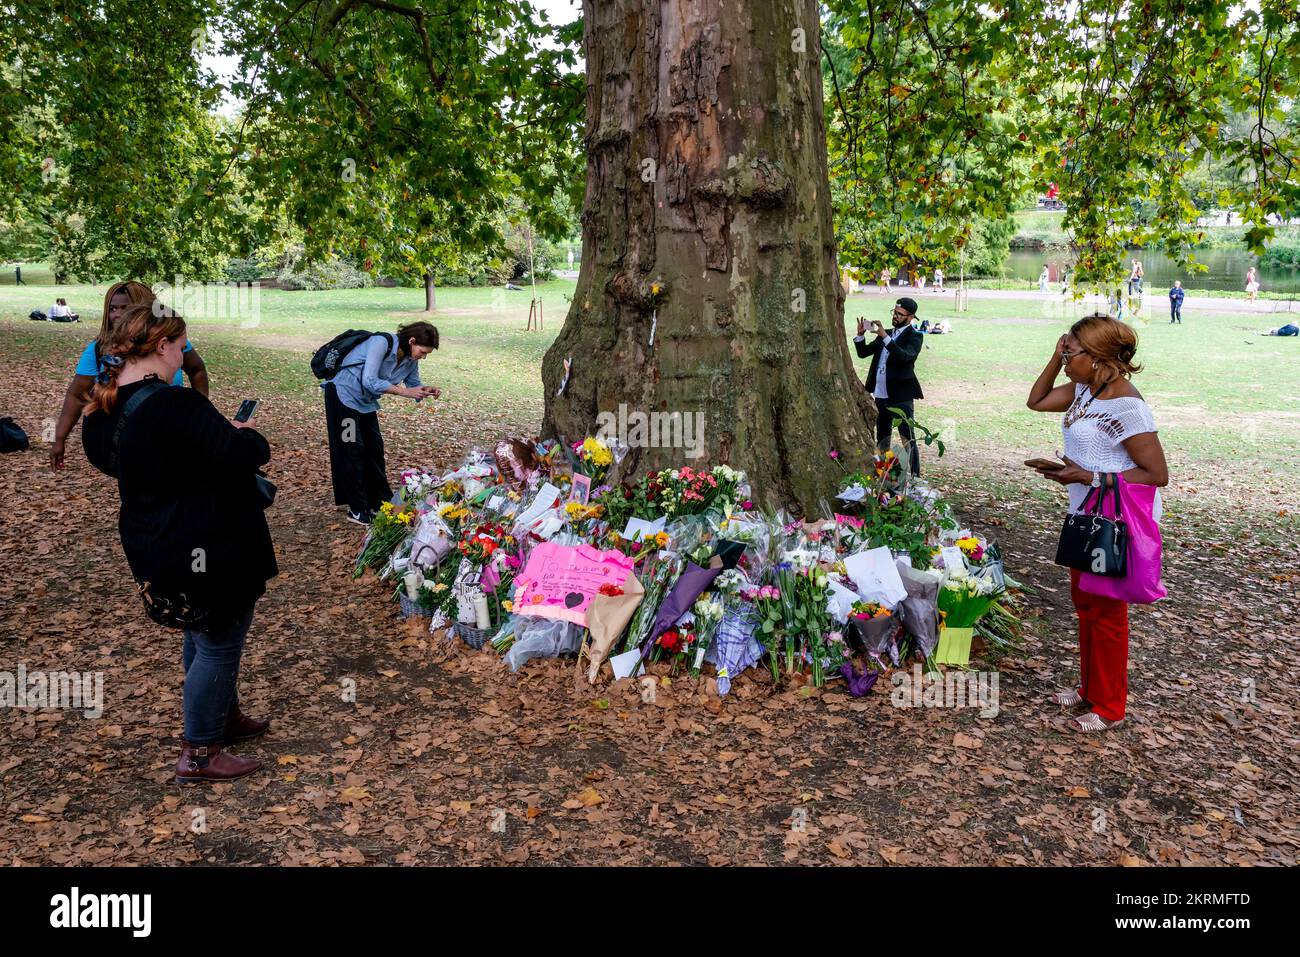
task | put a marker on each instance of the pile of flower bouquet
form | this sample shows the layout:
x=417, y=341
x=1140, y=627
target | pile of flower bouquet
x=715, y=581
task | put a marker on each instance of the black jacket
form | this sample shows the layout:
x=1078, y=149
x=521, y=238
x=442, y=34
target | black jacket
x=900, y=372
x=187, y=483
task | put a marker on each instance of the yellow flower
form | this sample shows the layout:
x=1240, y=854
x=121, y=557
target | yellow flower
x=593, y=450
x=508, y=605
x=661, y=539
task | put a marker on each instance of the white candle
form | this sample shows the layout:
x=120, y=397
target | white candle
x=412, y=580
x=481, y=612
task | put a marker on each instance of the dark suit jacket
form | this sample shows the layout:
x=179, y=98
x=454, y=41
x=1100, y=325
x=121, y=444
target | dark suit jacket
x=900, y=372
x=1176, y=295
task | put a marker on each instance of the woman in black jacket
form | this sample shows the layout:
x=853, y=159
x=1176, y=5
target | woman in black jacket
x=191, y=523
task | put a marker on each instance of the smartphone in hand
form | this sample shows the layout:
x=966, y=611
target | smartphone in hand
x=1045, y=465
x=246, y=410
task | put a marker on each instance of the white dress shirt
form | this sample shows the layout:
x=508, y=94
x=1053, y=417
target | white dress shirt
x=880, y=391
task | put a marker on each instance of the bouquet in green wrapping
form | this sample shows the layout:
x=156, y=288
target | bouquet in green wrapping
x=389, y=529
x=965, y=600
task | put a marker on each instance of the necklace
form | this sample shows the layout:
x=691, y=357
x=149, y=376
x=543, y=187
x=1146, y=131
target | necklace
x=1075, y=412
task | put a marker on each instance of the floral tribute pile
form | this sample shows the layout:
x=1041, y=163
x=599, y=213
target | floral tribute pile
x=531, y=551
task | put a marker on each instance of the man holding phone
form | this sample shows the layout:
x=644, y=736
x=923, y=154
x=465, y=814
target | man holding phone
x=891, y=380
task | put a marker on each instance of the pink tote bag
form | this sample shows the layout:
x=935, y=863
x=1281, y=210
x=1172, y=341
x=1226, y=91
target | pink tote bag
x=1142, y=585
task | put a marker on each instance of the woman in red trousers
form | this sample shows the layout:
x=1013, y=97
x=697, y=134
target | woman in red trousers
x=1108, y=430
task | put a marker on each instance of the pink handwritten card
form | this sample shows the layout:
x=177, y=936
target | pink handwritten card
x=559, y=581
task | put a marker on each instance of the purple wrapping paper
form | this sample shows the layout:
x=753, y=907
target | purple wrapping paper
x=693, y=583
x=859, y=685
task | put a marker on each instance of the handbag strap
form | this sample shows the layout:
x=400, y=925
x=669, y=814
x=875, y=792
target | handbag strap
x=133, y=403
x=1115, y=492
x=1084, y=508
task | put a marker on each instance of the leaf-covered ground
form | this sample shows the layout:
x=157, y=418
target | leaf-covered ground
x=448, y=757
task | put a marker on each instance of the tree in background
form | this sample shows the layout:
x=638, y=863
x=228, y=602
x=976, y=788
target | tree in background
x=110, y=117
x=397, y=133
x=953, y=109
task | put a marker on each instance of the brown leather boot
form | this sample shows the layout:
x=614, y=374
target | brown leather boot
x=240, y=727
x=199, y=763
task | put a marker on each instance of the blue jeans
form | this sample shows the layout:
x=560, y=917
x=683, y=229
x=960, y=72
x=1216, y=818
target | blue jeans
x=211, y=660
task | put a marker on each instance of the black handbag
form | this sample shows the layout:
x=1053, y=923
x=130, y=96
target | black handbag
x=1091, y=542
x=265, y=490
x=12, y=438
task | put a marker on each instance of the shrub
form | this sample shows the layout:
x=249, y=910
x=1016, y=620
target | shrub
x=335, y=272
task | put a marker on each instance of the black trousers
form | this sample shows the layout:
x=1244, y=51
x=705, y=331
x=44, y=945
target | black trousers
x=1175, y=311
x=885, y=429
x=356, y=455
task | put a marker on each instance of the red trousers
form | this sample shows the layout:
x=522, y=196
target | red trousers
x=1103, y=650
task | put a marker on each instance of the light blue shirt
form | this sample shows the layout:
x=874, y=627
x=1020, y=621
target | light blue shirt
x=367, y=372
x=90, y=363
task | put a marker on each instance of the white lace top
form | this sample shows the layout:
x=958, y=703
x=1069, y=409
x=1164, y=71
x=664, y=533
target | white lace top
x=1095, y=438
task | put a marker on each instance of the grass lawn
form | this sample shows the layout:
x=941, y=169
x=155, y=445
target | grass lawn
x=1227, y=399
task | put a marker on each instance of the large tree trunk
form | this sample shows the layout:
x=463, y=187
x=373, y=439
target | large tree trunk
x=707, y=220
x=430, y=297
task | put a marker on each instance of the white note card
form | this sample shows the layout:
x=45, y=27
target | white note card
x=627, y=663
x=638, y=528
x=952, y=558
x=876, y=576
x=546, y=498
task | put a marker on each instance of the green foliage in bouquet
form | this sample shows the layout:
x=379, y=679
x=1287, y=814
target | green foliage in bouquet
x=436, y=593
x=388, y=530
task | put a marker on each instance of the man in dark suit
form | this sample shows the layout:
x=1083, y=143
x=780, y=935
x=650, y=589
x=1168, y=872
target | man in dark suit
x=1176, y=295
x=891, y=380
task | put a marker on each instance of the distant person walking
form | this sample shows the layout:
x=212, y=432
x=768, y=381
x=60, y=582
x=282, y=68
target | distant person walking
x=1043, y=279
x=882, y=281
x=891, y=380
x=938, y=279
x=18, y=276
x=1135, y=278
x=1176, y=295
x=1252, y=283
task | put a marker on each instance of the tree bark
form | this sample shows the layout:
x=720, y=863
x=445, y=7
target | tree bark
x=707, y=225
x=430, y=297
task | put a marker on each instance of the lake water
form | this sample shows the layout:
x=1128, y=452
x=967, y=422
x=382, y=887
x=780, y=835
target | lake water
x=1227, y=270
